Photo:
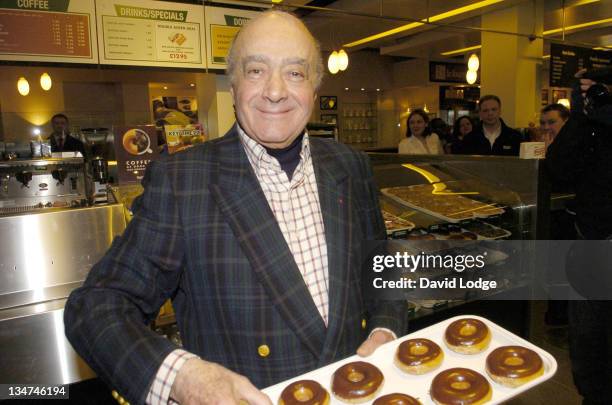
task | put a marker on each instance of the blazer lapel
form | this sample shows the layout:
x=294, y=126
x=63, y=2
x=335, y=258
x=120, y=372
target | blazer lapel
x=244, y=205
x=336, y=208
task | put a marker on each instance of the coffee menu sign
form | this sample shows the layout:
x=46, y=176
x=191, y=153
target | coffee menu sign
x=565, y=61
x=119, y=32
x=48, y=31
x=222, y=25
x=135, y=148
x=151, y=33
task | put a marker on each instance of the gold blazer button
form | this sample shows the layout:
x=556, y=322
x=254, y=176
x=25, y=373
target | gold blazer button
x=363, y=324
x=263, y=350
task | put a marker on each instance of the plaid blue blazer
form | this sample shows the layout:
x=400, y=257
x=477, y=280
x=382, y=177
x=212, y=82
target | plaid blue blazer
x=204, y=236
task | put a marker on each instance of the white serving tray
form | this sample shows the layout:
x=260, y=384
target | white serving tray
x=418, y=386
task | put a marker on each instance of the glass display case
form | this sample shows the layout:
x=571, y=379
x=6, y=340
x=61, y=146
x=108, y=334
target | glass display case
x=493, y=197
x=467, y=197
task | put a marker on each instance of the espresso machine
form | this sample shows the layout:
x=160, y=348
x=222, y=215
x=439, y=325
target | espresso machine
x=51, y=237
x=37, y=184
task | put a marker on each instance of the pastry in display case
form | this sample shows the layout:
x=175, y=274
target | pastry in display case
x=446, y=205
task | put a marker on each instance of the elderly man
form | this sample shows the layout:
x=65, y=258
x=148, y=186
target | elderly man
x=493, y=136
x=257, y=238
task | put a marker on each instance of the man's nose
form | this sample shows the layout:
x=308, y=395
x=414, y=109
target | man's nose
x=276, y=88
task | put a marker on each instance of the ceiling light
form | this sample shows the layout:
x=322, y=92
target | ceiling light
x=581, y=3
x=362, y=89
x=346, y=88
x=471, y=76
x=577, y=26
x=332, y=63
x=342, y=59
x=461, y=50
x=36, y=131
x=473, y=62
x=45, y=81
x=377, y=89
x=165, y=87
x=23, y=87
x=434, y=18
x=564, y=102
x=192, y=84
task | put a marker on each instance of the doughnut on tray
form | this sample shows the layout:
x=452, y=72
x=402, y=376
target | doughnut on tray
x=418, y=385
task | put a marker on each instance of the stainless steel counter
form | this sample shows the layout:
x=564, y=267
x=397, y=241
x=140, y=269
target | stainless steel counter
x=43, y=257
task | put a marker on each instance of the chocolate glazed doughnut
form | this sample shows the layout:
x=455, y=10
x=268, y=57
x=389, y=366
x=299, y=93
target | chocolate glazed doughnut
x=396, y=399
x=467, y=336
x=304, y=392
x=513, y=366
x=460, y=386
x=418, y=356
x=356, y=382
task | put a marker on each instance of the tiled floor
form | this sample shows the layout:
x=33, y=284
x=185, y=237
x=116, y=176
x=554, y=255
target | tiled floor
x=559, y=390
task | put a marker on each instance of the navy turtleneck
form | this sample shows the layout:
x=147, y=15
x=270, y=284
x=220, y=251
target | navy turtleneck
x=288, y=157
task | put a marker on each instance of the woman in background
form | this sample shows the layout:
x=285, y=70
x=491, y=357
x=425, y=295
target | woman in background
x=419, y=138
x=463, y=126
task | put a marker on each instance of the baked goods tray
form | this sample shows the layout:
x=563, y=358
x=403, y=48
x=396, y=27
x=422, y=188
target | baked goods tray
x=396, y=225
x=418, y=385
x=483, y=211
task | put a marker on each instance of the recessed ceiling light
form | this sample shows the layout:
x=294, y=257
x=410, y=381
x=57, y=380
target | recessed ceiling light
x=362, y=89
x=192, y=84
x=165, y=87
x=377, y=89
x=346, y=88
x=434, y=18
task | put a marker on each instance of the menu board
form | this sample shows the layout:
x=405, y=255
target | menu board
x=48, y=31
x=565, y=61
x=151, y=33
x=222, y=25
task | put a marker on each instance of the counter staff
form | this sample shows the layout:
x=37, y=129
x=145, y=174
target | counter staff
x=60, y=138
x=492, y=136
x=256, y=236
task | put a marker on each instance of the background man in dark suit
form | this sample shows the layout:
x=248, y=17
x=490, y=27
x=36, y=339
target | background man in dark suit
x=60, y=138
x=492, y=136
x=257, y=237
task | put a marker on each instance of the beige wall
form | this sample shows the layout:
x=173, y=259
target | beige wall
x=90, y=97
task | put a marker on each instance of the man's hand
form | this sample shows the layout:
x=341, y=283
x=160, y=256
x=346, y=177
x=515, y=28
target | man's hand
x=378, y=338
x=585, y=84
x=201, y=382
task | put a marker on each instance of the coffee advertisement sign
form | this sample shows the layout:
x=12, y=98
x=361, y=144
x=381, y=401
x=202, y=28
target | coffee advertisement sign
x=135, y=148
